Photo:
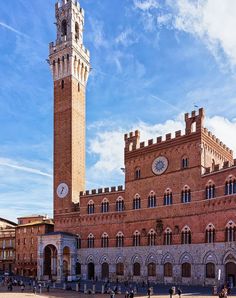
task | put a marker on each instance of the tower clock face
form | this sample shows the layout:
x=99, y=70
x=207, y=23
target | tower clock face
x=62, y=190
x=160, y=165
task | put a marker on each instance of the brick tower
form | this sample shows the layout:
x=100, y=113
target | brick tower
x=69, y=61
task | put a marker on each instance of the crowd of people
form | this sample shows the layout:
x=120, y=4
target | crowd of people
x=11, y=283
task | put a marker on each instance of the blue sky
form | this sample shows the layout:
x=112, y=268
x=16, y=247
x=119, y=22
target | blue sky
x=152, y=61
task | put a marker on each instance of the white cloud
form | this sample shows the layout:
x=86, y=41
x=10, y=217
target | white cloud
x=108, y=145
x=146, y=4
x=126, y=38
x=213, y=21
x=223, y=128
x=97, y=35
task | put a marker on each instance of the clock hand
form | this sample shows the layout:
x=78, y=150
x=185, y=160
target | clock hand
x=62, y=190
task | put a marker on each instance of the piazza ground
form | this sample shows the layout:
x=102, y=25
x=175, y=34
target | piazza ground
x=71, y=294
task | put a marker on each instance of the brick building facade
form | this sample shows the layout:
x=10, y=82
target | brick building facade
x=26, y=242
x=7, y=246
x=173, y=222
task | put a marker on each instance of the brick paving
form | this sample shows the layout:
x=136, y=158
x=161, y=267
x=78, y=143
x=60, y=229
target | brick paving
x=61, y=294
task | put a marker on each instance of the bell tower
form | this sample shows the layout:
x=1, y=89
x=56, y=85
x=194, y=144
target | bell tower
x=70, y=66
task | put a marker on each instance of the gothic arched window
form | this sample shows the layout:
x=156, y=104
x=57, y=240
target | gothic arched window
x=152, y=238
x=136, y=238
x=168, y=197
x=91, y=207
x=119, y=239
x=230, y=186
x=186, y=235
x=168, y=237
x=90, y=241
x=151, y=200
x=105, y=206
x=186, y=195
x=136, y=202
x=104, y=240
x=120, y=204
x=230, y=232
x=210, y=190
x=210, y=234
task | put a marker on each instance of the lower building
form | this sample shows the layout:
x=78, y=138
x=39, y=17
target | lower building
x=7, y=246
x=27, y=232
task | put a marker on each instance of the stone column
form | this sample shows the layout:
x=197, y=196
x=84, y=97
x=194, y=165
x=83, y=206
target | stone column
x=60, y=267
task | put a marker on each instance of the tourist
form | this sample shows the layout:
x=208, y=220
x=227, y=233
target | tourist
x=171, y=292
x=179, y=292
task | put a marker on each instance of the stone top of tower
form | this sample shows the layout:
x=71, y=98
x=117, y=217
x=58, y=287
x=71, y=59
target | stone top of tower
x=68, y=55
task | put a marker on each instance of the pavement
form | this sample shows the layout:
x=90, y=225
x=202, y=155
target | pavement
x=57, y=293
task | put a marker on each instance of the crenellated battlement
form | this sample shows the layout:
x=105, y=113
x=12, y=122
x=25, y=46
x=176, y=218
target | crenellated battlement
x=105, y=190
x=62, y=3
x=218, y=168
x=132, y=140
x=216, y=140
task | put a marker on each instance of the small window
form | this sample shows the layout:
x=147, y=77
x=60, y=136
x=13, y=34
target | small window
x=137, y=174
x=168, y=270
x=78, y=87
x=119, y=269
x=186, y=270
x=136, y=269
x=185, y=163
x=64, y=28
x=151, y=268
x=210, y=270
x=62, y=84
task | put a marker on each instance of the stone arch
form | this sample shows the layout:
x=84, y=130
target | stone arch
x=167, y=258
x=210, y=257
x=137, y=259
x=66, y=260
x=104, y=259
x=120, y=259
x=151, y=258
x=50, y=260
x=186, y=258
x=91, y=259
x=229, y=256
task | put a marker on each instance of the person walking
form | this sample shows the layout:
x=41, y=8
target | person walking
x=171, y=292
x=149, y=292
x=179, y=292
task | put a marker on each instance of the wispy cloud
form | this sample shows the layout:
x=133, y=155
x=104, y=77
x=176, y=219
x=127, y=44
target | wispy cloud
x=14, y=165
x=13, y=29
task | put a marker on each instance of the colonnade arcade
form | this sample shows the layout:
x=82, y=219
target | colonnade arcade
x=57, y=257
